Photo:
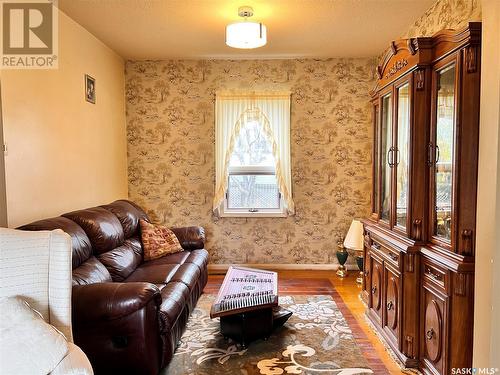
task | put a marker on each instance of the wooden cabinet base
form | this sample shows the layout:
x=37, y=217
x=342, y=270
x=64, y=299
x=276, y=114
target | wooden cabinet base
x=388, y=340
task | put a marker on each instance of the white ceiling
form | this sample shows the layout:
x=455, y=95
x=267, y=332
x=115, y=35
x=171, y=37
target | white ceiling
x=164, y=29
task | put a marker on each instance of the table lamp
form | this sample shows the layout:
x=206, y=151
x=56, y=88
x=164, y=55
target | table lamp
x=354, y=241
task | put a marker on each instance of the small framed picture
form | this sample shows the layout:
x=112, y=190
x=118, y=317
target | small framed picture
x=89, y=89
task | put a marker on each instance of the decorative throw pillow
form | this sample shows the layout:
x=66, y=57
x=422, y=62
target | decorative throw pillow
x=28, y=345
x=158, y=240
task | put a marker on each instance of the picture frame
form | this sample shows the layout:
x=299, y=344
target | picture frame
x=90, y=89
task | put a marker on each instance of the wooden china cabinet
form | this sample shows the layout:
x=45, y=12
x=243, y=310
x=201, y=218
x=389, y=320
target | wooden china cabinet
x=419, y=240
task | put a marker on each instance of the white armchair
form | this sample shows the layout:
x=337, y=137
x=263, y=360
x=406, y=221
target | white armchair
x=36, y=266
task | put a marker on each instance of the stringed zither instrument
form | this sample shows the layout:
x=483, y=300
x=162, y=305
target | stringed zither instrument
x=247, y=304
x=245, y=289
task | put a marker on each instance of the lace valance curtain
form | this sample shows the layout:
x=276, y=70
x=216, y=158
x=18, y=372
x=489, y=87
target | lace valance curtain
x=272, y=111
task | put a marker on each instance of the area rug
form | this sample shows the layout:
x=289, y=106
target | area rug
x=315, y=340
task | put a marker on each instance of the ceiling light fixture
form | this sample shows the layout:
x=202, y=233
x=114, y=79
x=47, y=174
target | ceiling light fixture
x=245, y=34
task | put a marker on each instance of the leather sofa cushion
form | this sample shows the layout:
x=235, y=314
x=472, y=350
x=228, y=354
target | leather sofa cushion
x=102, y=227
x=198, y=257
x=82, y=250
x=176, y=258
x=122, y=260
x=128, y=214
x=184, y=267
x=188, y=274
x=153, y=273
x=90, y=272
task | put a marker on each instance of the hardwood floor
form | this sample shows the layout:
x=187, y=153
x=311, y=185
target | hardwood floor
x=345, y=292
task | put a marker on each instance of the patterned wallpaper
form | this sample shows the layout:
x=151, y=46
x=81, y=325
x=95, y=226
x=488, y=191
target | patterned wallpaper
x=170, y=121
x=445, y=14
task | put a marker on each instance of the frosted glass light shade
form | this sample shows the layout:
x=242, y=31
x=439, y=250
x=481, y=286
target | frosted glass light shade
x=246, y=35
x=354, y=238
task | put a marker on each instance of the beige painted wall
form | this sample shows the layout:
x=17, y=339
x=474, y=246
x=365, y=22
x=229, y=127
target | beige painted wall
x=63, y=152
x=487, y=291
x=3, y=200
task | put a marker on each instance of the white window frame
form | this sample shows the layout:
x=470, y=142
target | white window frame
x=261, y=212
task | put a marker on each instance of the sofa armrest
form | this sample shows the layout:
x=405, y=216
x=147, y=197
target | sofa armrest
x=117, y=326
x=191, y=238
x=108, y=301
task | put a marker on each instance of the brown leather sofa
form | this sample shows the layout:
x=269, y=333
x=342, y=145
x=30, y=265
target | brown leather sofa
x=128, y=315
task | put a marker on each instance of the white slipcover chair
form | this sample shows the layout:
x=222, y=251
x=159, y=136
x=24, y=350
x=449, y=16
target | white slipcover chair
x=36, y=266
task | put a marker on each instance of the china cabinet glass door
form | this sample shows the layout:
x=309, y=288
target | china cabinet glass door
x=386, y=156
x=402, y=155
x=444, y=141
x=376, y=161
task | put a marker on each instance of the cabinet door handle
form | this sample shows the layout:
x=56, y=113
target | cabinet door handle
x=374, y=290
x=394, y=257
x=389, y=157
x=397, y=156
x=390, y=305
x=376, y=245
x=433, y=275
x=437, y=154
x=429, y=154
x=367, y=273
x=429, y=334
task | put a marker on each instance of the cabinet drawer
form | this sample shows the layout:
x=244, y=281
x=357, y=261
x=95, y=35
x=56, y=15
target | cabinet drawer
x=390, y=255
x=435, y=275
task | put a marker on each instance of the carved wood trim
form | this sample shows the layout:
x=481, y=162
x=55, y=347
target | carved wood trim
x=467, y=243
x=396, y=67
x=460, y=284
x=471, y=33
x=410, y=262
x=394, y=48
x=409, y=346
x=368, y=240
x=412, y=46
x=417, y=223
x=471, y=58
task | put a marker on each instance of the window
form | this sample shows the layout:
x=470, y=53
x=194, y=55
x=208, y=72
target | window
x=252, y=185
x=253, y=172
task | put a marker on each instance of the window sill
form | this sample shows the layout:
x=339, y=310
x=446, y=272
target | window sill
x=253, y=214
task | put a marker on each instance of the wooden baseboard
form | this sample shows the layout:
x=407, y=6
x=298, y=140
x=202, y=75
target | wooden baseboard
x=222, y=268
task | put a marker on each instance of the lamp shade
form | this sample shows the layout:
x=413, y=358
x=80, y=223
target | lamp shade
x=246, y=35
x=354, y=238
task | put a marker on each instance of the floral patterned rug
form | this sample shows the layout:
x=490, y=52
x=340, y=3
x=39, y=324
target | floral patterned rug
x=315, y=340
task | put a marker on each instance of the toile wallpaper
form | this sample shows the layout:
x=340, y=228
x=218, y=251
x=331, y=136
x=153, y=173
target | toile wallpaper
x=170, y=122
x=445, y=14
